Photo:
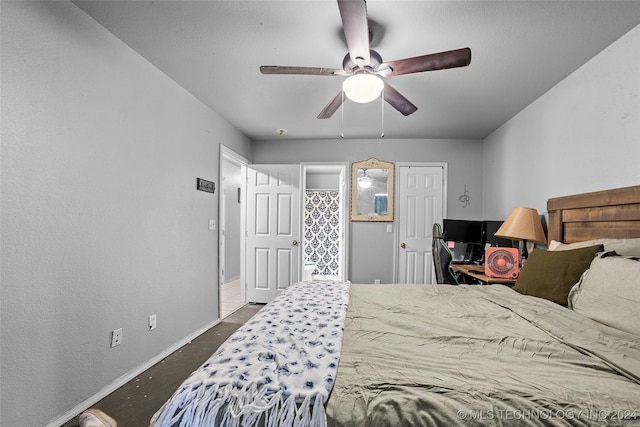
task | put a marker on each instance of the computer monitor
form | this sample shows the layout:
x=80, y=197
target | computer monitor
x=489, y=229
x=467, y=235
x=462, y=231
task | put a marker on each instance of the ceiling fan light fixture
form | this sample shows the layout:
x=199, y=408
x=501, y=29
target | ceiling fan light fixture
x=364, y=181
x=362, y=88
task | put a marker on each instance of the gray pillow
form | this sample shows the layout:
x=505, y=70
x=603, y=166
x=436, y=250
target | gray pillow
x=630, y=247
x=609, y=292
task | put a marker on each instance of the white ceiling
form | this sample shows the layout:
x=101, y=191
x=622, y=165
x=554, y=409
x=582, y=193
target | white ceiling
x=520, y=49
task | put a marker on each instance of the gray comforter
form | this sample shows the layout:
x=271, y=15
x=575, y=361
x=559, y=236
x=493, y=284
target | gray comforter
x=444, y=355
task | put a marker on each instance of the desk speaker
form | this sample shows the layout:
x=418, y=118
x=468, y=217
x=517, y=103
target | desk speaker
x=503, y=263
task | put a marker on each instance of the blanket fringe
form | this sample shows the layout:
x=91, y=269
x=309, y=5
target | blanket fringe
x=242, y=383
x=229, y=406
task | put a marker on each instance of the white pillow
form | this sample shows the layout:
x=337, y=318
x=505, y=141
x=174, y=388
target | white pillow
x=609, y=292
x=626, y=247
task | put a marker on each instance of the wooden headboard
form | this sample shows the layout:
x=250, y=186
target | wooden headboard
x=611, y=214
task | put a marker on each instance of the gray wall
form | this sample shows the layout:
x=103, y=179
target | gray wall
x=371, y=246
x=101, y=223
x=582, y=135
x=318, y=181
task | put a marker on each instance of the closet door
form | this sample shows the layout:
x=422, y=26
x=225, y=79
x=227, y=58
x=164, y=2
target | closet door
x=420, y=204
x=272, y=248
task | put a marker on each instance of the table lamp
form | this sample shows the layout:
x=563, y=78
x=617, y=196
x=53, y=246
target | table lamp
x=523, y=224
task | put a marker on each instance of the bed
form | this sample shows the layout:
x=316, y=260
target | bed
x=342, y=354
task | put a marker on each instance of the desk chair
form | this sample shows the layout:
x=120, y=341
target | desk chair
x=442, y=258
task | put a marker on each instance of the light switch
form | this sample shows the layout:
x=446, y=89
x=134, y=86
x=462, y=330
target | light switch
x=389, y=228
x=212, y=224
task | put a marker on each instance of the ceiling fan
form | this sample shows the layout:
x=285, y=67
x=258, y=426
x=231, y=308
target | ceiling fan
x=363, y=63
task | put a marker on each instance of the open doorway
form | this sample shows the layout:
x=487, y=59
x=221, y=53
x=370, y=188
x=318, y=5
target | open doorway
x=231, y=294
x=325, y=221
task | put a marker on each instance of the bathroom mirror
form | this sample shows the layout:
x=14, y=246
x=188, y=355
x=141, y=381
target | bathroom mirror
x=372, y=190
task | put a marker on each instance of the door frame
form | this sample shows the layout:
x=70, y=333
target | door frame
x=396, y=234
x=228, y=155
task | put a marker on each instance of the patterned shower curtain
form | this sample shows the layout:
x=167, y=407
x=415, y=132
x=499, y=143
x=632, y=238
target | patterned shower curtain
x=322, y=231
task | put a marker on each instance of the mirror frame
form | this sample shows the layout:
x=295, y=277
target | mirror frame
x=371, y=163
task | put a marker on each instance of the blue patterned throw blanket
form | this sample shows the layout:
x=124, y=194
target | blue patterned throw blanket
x=276, y=370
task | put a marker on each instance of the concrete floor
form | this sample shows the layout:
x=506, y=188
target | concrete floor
x=133, y=404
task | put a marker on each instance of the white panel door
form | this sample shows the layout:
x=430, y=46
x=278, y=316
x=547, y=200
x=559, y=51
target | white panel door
x=420, y=204
x=272, y=230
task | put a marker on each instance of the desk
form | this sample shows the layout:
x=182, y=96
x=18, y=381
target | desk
x=466, y=270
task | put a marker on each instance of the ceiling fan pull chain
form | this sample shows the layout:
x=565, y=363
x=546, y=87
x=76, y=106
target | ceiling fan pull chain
x=382, y=113
x=342, y=115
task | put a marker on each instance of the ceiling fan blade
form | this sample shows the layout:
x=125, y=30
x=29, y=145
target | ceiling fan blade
x=332, y=106
x=397, y=101
x=356, y=29
x=310, y=71
x=434, y=61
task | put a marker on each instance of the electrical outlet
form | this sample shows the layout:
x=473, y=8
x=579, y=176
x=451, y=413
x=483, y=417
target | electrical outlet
x=116, y=337
x=152, y=322
x=376, y=282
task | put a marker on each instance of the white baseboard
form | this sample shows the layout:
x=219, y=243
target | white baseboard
x=119, y=382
